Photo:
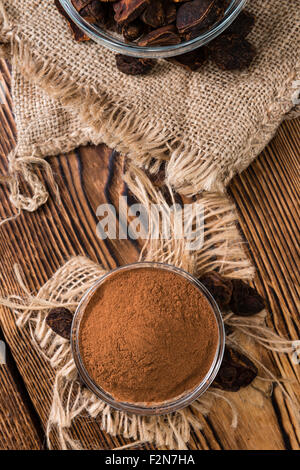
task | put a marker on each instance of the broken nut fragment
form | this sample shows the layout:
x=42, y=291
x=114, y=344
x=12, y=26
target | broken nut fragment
x=192, y=61
x=243, y=25
x=199, y=15
x=232, y=52
x=220, y=287
x=236, y=371
x=92, y=11
x=60, y=321
x=245, y=301
x=129, y=10
x=165, y=36
x=233, y=294
x=132, y=65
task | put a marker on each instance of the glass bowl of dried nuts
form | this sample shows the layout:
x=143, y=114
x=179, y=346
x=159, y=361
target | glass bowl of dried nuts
x=152, y=28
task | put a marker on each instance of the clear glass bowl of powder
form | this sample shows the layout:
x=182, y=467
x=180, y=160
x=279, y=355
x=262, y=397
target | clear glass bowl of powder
x=148, y=338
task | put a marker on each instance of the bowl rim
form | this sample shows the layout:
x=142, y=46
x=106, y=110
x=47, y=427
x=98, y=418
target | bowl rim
x=169, y=406
x=104, y=38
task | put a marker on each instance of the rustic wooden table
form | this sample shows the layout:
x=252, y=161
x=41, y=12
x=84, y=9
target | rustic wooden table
x=266, y=196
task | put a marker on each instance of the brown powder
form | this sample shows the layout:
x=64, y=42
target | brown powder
x=147, y=336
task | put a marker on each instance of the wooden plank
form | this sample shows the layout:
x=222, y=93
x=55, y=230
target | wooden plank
x=42, y=241
x=267, y=197
x=19, y=428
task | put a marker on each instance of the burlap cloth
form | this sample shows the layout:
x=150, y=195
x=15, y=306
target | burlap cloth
x=207, y=126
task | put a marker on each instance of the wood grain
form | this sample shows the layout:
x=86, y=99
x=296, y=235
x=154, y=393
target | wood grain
x=266, y=196
x=19, y=427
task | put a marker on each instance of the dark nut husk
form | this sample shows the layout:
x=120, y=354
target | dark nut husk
x=199, y=15
x=154, y=14
x=133, y=66
x=243, y=25
x=165, y=36
x=232, y=52
x=92, y=11
x=236, y=371
x=128, y=10
x=245, y=301
x=191, y=61
x=220, y=287
x=60, y=321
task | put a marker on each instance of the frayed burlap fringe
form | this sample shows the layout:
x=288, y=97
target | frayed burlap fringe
x=69, y=398
x=189, y=170
x=222, y=246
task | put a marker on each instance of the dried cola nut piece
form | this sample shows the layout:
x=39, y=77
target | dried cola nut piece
x=60, y=321
x=198, y=15
x=243, y=25
x=92, y=11
x=236, y=371
x=165, y=36
x=154, y=14
x=128, y=10
x=232, y=52
x=170, y=11
x=220, y=287
x=133, y=31
x=134, y=66
x=245, y=301
x=191, y=61
x=76, y=32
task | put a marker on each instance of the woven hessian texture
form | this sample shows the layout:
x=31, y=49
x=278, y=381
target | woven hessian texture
x=210, y=124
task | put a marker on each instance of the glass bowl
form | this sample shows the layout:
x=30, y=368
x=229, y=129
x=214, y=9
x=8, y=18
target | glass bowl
x=154, y=409
x=117, y=44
